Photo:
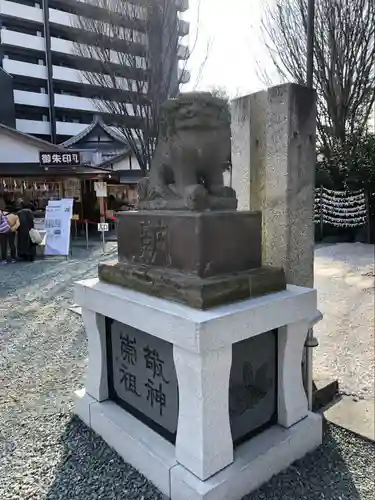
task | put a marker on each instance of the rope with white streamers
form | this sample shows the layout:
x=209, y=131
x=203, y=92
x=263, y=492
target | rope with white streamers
x=340, y=208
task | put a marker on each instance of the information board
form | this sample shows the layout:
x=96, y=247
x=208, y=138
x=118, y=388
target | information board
x=100, y=189
x=57, y=226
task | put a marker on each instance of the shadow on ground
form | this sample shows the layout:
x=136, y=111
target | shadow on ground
x=323, y=474
x=91, y=470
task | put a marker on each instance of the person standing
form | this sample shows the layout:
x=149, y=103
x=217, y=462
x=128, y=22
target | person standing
x=25, y=247
x=4, y=230
x=9, y=223
x=14, y=223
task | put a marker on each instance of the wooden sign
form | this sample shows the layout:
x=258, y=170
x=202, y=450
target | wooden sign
x=53, y=159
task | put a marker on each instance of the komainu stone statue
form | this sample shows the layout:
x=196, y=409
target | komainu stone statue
x=187, y=242
x=192, y=153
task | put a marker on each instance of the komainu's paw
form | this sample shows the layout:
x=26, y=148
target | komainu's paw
x=223, y=192
x=196, y=197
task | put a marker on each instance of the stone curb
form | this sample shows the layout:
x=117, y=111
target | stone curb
x=356, y=416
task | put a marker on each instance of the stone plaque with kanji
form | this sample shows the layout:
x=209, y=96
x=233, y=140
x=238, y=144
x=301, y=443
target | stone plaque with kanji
x=142, y=379
x=142, y=376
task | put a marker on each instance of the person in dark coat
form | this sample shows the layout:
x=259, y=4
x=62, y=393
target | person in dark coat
x=26, y=249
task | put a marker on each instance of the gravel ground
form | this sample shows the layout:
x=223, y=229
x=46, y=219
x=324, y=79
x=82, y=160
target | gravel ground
x=46, y=453
x=344, y=278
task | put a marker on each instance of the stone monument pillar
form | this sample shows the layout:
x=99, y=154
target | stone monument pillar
x=195, y=346
x=273, y=165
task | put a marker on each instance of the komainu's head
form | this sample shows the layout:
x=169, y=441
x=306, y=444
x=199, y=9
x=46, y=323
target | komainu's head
x=193, y=110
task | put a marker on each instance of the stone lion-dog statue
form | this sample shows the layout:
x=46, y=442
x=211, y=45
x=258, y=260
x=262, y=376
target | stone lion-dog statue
x=193, y=150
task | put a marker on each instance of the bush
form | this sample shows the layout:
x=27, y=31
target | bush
x=350, y=165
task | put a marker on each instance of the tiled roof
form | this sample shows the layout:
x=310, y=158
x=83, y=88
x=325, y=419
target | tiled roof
x=114, y=159
x=85, y=132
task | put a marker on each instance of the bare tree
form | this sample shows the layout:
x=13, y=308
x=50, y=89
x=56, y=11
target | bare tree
x=136, y=53
x=344, y=65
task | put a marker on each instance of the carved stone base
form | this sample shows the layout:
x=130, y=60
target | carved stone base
x=204, y=244
x=191, y=290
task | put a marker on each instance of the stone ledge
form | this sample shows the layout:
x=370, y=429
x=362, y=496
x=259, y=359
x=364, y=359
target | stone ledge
x=191, y=290
x=136, y=443
x=255, y=461
x=192, y=329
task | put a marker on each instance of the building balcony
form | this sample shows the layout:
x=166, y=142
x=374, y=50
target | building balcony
x=184, y=76
x=25, y=69
x=69, y=128
x=63, y=101
x=15, y=39
x=60, y=18
x=31, y=98
x=20, y=11
x=31, y=42
x=60, y=74
x=39, y=71
x=183, y=27
x=63, y=74
x=35, y=127
x=182, y=5
x=73, y=102
x=183, y=52
x=65, y=19
x=35, y=14
x=84, y=104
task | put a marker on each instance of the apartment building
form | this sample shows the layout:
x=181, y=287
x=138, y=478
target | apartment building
x=52, y=99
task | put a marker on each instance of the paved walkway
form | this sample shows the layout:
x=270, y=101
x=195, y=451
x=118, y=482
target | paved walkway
x=344, y=278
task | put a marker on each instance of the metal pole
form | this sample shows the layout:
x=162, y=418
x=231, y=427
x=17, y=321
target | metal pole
x=50, y=87
x=310, y=43
x=311, y=341
x=367, y=198
x=103, y=239
x=321, y=214
x=87, y=234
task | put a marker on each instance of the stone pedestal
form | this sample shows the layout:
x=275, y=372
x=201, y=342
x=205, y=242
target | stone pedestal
x=203, y=464
x=201, y=259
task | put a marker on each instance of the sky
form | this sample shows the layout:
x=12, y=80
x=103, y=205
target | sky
x=232, y=28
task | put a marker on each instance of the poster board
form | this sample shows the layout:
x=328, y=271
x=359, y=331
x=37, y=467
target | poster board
x=100, y=189
x=57, y=226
